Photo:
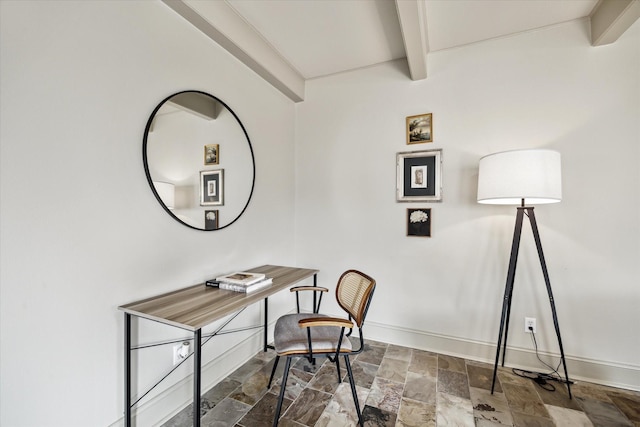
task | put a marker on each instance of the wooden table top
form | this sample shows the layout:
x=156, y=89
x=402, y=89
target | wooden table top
x=197, y=306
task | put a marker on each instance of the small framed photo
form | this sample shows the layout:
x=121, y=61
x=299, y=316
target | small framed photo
x=419, y=176
x=419, y=222
x=211, y=154
x=211, y=219
x=420, y=129
x=212, y=188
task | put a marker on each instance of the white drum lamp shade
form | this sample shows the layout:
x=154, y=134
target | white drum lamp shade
x=520, y=176
x=167, y=193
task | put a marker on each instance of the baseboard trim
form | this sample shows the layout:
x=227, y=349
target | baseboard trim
x=609, y=373
x=179, y=395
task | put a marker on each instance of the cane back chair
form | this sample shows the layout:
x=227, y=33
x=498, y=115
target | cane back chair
x=312, y=335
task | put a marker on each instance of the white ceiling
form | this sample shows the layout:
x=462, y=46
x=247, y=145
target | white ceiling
x=290, y=41
x=321, y=37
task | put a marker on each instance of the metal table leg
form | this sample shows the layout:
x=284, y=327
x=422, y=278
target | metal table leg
x=266, y=322
x=127, y=370
x=197, y=376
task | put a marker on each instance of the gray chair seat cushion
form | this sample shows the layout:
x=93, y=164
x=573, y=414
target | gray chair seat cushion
x=290, y=338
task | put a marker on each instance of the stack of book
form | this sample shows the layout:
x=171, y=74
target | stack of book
x=243, y=281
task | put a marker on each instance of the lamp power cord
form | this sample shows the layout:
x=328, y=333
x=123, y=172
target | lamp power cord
x=540, y=378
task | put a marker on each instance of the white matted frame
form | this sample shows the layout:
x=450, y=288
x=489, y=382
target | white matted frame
x=212, y=188
x=419, y=176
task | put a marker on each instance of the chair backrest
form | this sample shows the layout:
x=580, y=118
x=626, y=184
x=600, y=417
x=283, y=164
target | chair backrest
x=354, y=292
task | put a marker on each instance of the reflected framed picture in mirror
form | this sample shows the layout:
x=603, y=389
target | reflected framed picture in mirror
x=212, y=188
x=211, y=154
x=211, y=219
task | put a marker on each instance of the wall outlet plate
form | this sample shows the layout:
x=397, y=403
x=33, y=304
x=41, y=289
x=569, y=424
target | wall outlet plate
x=530, y=322
x=180, y=352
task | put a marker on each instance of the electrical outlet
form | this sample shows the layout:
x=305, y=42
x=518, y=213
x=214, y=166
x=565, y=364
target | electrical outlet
x=530, y=324
x=180, y=352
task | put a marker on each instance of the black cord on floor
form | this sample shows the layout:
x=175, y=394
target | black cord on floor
x=536, y=377
x=535, y=344
x=540, y=378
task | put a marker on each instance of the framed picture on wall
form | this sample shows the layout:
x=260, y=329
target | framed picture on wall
x=419, y=222
x=211, y=154
x=419, y=176
x=211, y=219
x=212, y=188
x=420, y=128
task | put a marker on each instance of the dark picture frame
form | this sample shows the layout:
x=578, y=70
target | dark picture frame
x=419, y=176
x=212, y=188
x=211, y=219
x=420, y=128
x=419, y=222
x=211, y=154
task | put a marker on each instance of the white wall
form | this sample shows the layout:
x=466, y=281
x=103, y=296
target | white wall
x=546, y=88
x=81, y=232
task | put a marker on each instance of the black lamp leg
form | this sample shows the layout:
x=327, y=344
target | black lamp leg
x=508, y=292
x=536, y=236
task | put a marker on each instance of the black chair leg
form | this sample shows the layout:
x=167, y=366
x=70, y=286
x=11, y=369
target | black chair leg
x=282, y=387
x=352, y=381
x=273, y=371
x=338, y=367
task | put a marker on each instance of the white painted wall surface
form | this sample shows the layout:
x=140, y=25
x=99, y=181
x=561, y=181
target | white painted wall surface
x=542, y=89
x=81, y=232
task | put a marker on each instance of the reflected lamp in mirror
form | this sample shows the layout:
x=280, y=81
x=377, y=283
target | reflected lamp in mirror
x=167, y=193
x=520, y=176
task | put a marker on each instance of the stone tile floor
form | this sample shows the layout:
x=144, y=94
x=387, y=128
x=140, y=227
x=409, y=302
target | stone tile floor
x=400, y=386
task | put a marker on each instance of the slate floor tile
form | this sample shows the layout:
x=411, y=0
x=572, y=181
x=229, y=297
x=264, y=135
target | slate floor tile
x=405, y=387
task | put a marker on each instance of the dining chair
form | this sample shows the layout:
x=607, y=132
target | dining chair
x=313, y=335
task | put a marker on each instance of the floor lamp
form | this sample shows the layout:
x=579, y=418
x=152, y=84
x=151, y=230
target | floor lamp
x=515, y=178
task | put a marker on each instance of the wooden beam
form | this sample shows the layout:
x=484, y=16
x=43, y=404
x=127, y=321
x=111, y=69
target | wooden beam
x=200, y=105
x=413, y=24
x=220, y=22
x=611, y=18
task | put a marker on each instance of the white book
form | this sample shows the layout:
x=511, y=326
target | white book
x=260, y=285
x=246, y=288
x=241, y=278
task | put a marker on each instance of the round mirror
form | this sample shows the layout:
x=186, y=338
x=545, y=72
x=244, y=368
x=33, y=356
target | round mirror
x=198, y=160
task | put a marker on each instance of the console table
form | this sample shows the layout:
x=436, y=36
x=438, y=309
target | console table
x=197, y=306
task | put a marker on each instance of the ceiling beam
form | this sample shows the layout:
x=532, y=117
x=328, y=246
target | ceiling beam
x=611, y=18
x=413, y=25
x=198, y=104
x=220, y=22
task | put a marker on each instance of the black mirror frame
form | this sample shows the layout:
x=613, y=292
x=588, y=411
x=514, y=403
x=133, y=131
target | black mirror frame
x=148, y=173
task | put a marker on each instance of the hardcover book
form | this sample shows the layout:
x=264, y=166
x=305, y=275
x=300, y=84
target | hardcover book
x=241, y=278
x=247, y=288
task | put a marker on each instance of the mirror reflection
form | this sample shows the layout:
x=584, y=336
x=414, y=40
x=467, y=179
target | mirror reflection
x=198, y=160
